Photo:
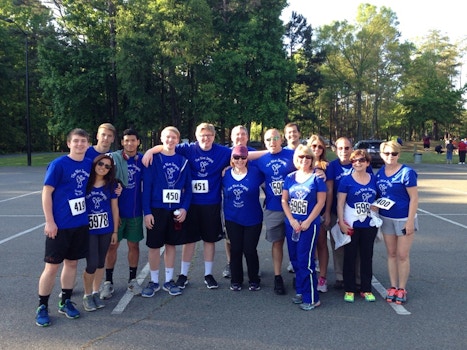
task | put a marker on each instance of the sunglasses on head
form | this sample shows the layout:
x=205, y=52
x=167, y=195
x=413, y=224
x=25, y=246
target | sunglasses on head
x=301, y=156
x=238, y=157
x=343, y=148
x=359, y=160
x=394, y=154
x=317, y=146
x=107, y=166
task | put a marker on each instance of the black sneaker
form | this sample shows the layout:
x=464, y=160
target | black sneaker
x=279, y=287
x=182, y=281
x=210, y=282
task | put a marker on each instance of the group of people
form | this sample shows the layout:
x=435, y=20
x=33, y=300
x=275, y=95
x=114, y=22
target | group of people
x=202, y=191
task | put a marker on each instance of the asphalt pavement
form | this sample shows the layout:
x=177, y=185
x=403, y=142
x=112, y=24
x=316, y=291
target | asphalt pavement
x=433, y=318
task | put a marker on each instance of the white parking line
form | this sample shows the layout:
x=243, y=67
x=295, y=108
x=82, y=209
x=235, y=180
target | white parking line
x=23, y=195
x=441, y=218
x=21, y=233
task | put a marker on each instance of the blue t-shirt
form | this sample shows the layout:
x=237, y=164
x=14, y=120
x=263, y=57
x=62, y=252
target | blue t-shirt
x=275, y=168
x=99, y=207
x=69, y=179
x=91, y=153
x=395, y=188
x=359, y=197
x=167, y=183
x=206, y=170
x=241, y=197
x=130, y=202
x=303, y=196
x=336, y=171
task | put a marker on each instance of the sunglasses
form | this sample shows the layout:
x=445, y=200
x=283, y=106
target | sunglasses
x=238, y=157
x=301, y=156
x=107, y=166
x=317, y=146
x=394, y=154
x=359, y=160
x=342, y=148
x=275, y=138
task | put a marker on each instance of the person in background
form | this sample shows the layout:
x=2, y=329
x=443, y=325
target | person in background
x=449, y=151
x=129, y=171
x=105, y=137
x=318, y=146
x=303, y=198
x=462, y=149
x=292, y=135
x=166, y=198
x=66, y=224
x=102, y=208
x=243, y=217
x=397, y=185
x=355, y=195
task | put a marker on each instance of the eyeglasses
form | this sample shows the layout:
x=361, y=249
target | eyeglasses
x=238, y=157
x=342, y=148
x=206, y=135
x=275, y=138
x=394, y=154
x=317, y=146
x=107, y=166
x=359, y=160
x=301, y=156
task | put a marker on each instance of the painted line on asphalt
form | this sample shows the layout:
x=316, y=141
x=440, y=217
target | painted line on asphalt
x=442, y=218
x=21, y=233
x=399, y=309
x=23, y=195
x=125, y=300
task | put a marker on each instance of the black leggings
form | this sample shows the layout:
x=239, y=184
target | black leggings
x=98, y=247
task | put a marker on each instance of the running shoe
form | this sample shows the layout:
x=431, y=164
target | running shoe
x=88, y=303
x=236, y=287
x=172, y=288
x=297, y=299
x=134, y=287
x=182, y=281
x=210, y=282
x=254, y=286
x=349, y=297
x=401, y=296
x=97, y=300
x=42, y=316
x=107, y=290
x=279, y=287
x=290, y=268
x=68, y=309
x=226, y=273
x=322, y=285
x=309, y=306
x=368, y=296
x=391, y=295
x=150, y=290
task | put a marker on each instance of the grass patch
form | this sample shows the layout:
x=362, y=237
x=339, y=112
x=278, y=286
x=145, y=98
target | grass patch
x=38, y=159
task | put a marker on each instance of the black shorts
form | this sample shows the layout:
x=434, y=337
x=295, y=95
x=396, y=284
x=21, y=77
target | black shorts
x=204, y=222
x=163, y=231
x=70, y=244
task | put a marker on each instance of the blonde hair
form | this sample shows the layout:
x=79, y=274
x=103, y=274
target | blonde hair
x=303, y=149
x=205, y=126
x=172, y=129
x=108, y=126
x=322, y=162
x=393, y=145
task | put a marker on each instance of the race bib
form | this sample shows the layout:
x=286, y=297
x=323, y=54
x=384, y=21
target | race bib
x=298, y=206
x=384, y=203
x=77, y=206
x=362, y=208
x=97, y=221
x=200, y=186
x=171, y=196
x=276, y=187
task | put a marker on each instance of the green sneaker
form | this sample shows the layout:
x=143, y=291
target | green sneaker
x=368, y=296
x=349, y=297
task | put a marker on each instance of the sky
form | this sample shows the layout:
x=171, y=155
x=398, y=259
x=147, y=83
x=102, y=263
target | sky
x=416, y=17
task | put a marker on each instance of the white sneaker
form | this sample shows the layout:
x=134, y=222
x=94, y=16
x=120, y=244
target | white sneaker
x=290, y=268
x=107, y=290
x=134, y=287
x=322, y=285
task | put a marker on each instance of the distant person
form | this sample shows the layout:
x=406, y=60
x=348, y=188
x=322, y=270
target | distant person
x=439, y=149
x=102, y=208
x=399, y=141
x=462, y=147
x=426, y=142
x=66, y=224
x=449, y=151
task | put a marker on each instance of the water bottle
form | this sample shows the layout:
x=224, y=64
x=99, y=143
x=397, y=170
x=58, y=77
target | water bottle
x=177, y=224
x=296, y=235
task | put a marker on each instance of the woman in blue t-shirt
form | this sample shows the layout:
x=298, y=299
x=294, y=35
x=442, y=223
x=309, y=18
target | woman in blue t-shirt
x=355, y=195
x=243, y=217
x=303, y=198
x=398, y=203
x=102, y=208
